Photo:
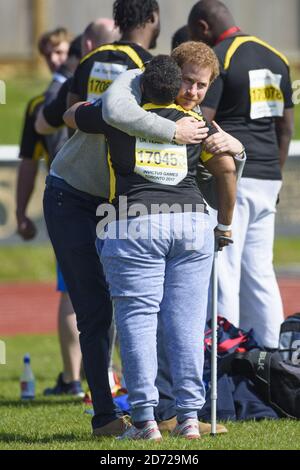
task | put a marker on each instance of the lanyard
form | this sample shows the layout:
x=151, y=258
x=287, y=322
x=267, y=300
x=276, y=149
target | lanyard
x=227, y=33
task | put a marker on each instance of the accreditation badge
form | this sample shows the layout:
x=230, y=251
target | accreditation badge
x=161, y=163
x=101, y=77
x=266, y=97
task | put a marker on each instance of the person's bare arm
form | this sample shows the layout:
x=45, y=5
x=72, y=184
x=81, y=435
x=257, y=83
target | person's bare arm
x=121, y=109
x=72, y=99
x=222, y=167
x=284, y=131
x=69, y=116
x=25, y=185
x=41, y=125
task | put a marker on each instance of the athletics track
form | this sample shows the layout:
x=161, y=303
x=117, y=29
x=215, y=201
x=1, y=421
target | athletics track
x=32, y=308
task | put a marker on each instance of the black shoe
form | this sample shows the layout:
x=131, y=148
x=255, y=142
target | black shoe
x=61, y=388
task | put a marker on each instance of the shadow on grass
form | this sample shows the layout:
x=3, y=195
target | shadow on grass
x=7, y=438
x=39, y=403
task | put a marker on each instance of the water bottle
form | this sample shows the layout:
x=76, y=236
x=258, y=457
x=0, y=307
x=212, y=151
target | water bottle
x=27, y=381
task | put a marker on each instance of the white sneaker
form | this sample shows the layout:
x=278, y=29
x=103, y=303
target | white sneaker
x=149, y=432
x=189, y=429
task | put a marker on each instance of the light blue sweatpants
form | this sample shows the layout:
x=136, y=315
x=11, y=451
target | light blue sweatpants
x=165, y=271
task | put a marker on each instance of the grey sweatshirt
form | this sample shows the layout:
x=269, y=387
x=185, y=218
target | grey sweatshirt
x=82, y=161
x=127, y=94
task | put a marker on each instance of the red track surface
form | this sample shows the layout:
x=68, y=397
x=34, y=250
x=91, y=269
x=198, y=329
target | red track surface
x=28, y=308
x=32, y=308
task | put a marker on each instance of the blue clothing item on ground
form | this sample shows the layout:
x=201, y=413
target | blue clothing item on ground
x=237, y=396
x=163, y=272
x=71, y=221
x=61, y=285
x=238, y=400
x=122, y=403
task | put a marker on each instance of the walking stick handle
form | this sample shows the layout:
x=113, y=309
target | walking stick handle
x=222, y=238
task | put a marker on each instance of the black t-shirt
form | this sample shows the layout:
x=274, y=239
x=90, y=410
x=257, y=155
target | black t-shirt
x=33, y=145
x=102, y=66
x=55, y=110
x=149, y=172
x=253, y=89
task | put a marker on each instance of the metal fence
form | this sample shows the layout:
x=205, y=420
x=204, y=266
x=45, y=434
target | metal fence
x=287, y=222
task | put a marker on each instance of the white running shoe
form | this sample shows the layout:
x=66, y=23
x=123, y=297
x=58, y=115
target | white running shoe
x=189, y=429
x=149, y=432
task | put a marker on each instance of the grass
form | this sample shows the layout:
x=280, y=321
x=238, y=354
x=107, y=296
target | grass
x=27, y=263
x=60, y=423
x=287, y=251
x=36, y=262
x=20, y=90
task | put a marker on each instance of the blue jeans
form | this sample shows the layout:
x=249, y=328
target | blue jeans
x=165, y=273
x=61, y=285
x=71, y=221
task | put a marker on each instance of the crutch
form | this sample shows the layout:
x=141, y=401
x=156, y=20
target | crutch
x=214, y=349
x=112, y=345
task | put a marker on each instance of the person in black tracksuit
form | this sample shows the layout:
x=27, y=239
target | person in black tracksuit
x=70, y=209
x=252, y=100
